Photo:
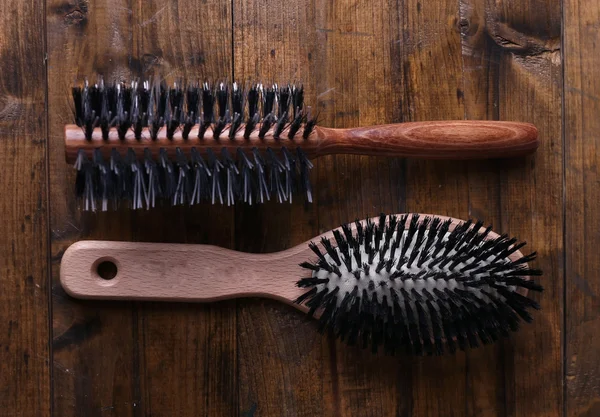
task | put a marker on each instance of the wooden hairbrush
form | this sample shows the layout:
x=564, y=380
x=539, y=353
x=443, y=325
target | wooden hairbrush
x=410, y=283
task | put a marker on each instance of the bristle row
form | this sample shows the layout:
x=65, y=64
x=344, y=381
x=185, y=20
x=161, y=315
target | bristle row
x=411, y=285
x=146, y=182
x=151, y=106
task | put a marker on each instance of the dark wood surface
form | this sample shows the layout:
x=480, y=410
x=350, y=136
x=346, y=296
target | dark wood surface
x=581, y=93
x=25, y=360
x=362, y=63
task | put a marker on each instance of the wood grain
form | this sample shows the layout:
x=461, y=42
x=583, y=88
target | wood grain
x=187, y=354
x=485, y=370
x=529, y=88
x=191, y=347
x=581, y=147
x=24, y=309
x=95, y=357
x=280, y=357
x=433, y=69
x=357, y=60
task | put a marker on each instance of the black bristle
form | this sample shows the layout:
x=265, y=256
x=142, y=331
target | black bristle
x=215, y=166
x=237, y=100
x=182, y=183
x=298, y=111
x=88, y=116
x=330, y=250
x=95, y=94
x=523, y=283
x=201, y=177
x=266, y=125
x=305, y=166
x=107, y=112
x=279, y=126
x=153, y=190
x=191, y=111
x=166, y=172
x=306, y=295
x=246, y=182
x=84, y=188
x=329, y=304
x=424, y=327
x=156, y=109
x=283, y=101
x=412, y=230
x=380, y=265
x=222, y=95
x=237, y=105
x=297, y=100
x=262, y=191
x=290, y=174
x=138, y=191
x=139, y=108
x=253, y=100
x=208, y=109
x=275, y=169
x=253, y=113
x=315, y=302
x=310, y=123
x=431, y=234
x=122, y=109
x=231, y=173
x=284, y=96
x=174, y=110
x=77, y=93
x=268, y=100
x=310, y=282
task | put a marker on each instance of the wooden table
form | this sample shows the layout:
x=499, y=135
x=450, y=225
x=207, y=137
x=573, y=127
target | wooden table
x=362, y=63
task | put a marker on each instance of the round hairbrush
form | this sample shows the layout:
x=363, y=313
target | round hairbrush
x=143, y=143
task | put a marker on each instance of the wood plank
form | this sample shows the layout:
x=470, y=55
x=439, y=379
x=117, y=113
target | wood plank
x=279, y=352
x=95, y=357
x=121, y=358
x=433, y=57
x=339, y=58
x=24, y=313
x=360, y=71
x=531, y=199
x=490, y=372
x=581, y=104
x=187, y=354
x=485, y=370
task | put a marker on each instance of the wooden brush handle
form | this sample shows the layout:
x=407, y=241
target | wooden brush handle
x=180, y=272
x=460, y=139
x=192, y=273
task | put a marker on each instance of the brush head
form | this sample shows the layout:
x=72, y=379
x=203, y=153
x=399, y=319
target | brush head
x=417, y=285
x=131, y=116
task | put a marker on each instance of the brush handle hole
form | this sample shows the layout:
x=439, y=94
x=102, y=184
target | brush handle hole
x=107, y=269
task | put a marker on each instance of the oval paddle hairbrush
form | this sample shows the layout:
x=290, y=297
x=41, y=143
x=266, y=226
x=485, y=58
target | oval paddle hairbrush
x=415, y=283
